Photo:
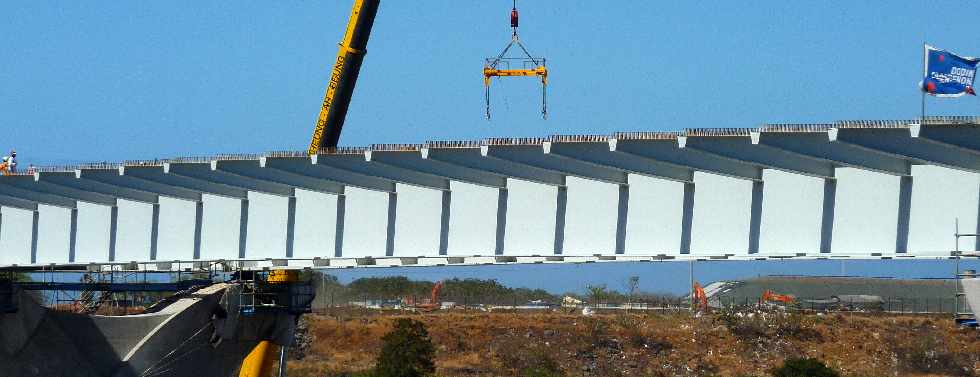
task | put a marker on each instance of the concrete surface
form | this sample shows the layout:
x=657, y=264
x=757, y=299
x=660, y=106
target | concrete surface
x=191, y=337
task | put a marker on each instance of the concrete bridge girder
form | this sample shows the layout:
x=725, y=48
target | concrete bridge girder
x=598, y=154
x=413, y=160
x=158, y=175
x=817, y=145
x=963, y=136
x=561, y=196
x=116, y=177
x=29, y=188
x=304, y=166
x=473, y=158
x=358, y=163
x=256, y=170
x=417, y=191
x=534, y=156
x=668, y=150
x=899, y=143
x=209, y=172
x=744, y=149
x=73, y=180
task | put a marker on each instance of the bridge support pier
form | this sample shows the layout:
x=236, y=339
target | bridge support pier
x=34, y=223
x=198, y=222
x=501, y=220
x=392, y=212
x=560, y=219
x=444, y=222
x=338, y=243
x=72, y=234
x=154, y=230
x=243, y=229
x=755, y=217
x=290, y=225
x=827, y=215
x=621, y=214
x=687, y=218
x=113, y=230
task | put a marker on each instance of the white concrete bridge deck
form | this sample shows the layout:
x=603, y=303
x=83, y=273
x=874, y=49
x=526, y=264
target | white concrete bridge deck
x=851, y=189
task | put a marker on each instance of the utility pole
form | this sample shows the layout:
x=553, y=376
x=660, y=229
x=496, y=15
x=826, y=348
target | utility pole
x=690, y=286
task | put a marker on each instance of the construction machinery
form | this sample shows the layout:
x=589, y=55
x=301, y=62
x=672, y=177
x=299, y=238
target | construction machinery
x=350, y=55
x=699, y=300
x=770, y=296
x=282, y=292
x=343, y=76
x=531, y=66
x=433, y=302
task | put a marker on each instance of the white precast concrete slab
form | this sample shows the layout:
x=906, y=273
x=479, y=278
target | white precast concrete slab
x=472, y=219
x=939, y=197
x=133, y=231
x=365, y=223
x=52, y=228
x=417, y=221
x=653, y=223
x=176, y=238
x=792, y=209
x=266, y=237
x=530, y=218
x=15, y=235
x=866, y=212
x=316, y=224
x=92, y=242
x=722, y=208
x=591, y=213
x=971, y=289
x=220, y=228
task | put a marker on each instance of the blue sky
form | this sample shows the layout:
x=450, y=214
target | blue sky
x=100, y=80
x=107, y=81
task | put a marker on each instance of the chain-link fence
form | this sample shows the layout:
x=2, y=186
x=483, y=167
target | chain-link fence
x=327, y=300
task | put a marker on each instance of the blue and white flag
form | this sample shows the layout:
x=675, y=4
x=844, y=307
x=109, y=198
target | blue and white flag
x=947, y=74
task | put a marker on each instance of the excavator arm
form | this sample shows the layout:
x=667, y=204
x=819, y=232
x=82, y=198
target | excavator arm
x=343, y=76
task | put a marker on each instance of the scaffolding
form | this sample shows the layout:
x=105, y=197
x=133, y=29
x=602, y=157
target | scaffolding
x=962, y=316
x=276, y=291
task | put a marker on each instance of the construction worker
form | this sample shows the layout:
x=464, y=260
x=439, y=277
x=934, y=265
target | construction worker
x=12, y=161
x=9, y=164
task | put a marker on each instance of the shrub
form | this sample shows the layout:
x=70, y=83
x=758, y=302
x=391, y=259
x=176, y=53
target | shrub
x=804, y=368
x=767, y=325
x=406, y=351
x=542, y=365
x=926, y=351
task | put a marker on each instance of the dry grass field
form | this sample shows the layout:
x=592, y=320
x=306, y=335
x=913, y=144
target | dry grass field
x=473, y=343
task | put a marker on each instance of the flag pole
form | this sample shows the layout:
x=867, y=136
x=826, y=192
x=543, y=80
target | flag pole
x=922, y=118
x=923, y=89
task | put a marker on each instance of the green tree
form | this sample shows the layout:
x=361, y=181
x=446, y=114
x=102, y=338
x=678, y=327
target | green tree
x=597, y=293
x=406, y=351
x=804, y=368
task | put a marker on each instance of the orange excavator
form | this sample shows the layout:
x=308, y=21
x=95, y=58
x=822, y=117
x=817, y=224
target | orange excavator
x=699, y=300
x=769, y=296
x=433, y=303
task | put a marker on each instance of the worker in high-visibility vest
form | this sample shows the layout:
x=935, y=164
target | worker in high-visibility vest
x=9, y=164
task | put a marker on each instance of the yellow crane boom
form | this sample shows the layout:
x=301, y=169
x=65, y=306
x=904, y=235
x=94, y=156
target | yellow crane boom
x=343, y=76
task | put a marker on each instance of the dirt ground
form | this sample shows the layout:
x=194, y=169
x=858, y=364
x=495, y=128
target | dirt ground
x=474, y=343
